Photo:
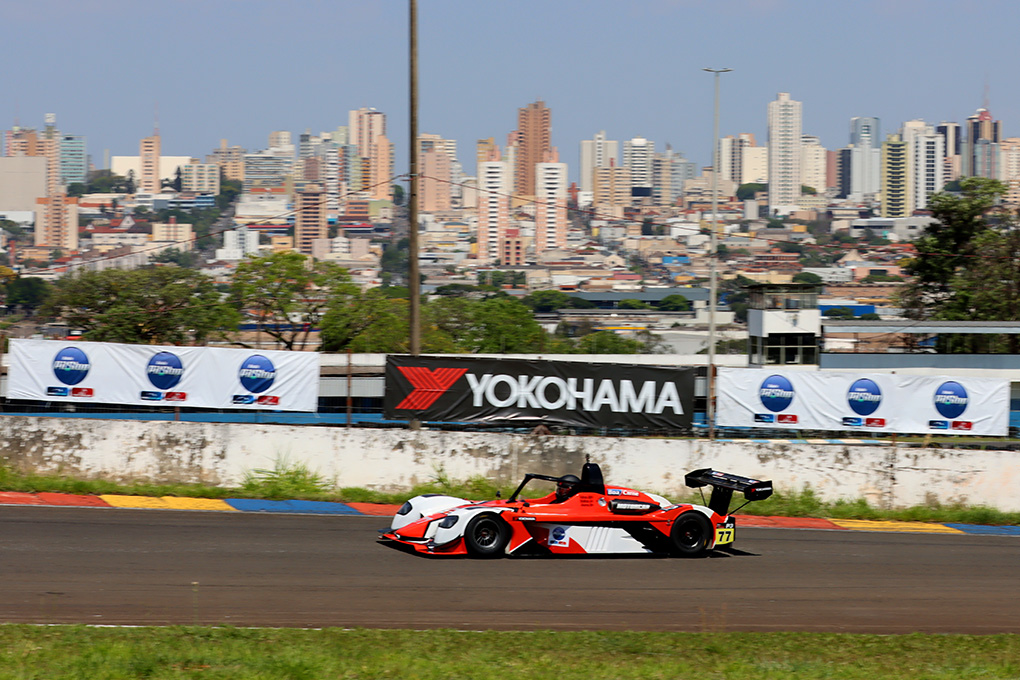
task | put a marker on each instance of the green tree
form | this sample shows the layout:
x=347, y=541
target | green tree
x=161, y=305
x=544, y=301
x=674, y=303
x=608, y=342
x=949, y=245
x=368, y=321
x=182, y=258
x=505, y=325
x=746, y=192
x=807, y=277
x=77, y=189
x=630, y=303
x=28, y=292
x=287, y=295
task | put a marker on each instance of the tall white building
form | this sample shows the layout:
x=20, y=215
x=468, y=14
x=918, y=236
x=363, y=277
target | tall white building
x=926, y=152
x=637, y=157
x=550, y=204
x=494, y=189
x=812, y=162
x=865, y=157
x=598, y=152
x=785, y=121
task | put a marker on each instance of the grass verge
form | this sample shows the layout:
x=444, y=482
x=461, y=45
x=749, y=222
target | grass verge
x=295, y=481
x=56, y=653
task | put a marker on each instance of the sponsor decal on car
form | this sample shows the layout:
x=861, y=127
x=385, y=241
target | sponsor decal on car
x=558, y=536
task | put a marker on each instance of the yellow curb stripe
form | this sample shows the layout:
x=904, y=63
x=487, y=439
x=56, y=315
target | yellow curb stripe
x=135, y=501
x=177, y=503
x=875, y=525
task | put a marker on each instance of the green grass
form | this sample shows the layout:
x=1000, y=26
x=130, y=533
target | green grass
x=55, y=653
x=288, y=480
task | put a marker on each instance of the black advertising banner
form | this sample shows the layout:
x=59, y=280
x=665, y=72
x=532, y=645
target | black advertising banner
x=506, y=391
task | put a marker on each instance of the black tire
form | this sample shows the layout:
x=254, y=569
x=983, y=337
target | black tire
x=486, y=536
x=691, y=534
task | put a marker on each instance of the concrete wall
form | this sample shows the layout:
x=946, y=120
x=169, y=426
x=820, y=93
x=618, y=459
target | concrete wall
x=393, y=459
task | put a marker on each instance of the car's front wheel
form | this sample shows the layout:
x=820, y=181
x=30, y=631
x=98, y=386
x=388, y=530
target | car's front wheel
x=486, y=536
x=691, y=534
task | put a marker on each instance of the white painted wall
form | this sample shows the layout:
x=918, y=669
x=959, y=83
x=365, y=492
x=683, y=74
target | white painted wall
x=393, y=459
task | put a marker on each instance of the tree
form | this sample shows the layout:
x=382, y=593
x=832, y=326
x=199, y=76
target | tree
x=844, y=313
x=674, y=303
x=949, y=245
x=544, y=301
x=746, y=192
x=630, y=303
x=287, y=295
x=608, y=342
x=505, y=325
x=162, y=305
x=368, y=321
x=182, y=258
x=76, y=189
x=807, y=277
x=28, y=292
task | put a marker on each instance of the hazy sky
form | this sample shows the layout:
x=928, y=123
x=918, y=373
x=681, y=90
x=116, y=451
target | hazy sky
x=237, y=69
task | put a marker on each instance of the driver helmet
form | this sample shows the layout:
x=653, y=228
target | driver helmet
x=566, y=486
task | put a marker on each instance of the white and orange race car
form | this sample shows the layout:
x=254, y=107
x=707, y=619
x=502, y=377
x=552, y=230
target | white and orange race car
x=583, y=516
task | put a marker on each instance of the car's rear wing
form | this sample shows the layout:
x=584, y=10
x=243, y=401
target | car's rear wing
x=724, y=484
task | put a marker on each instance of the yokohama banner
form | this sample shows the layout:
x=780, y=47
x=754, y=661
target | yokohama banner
x=148, y=375
x=522, y=391
x=879, y=402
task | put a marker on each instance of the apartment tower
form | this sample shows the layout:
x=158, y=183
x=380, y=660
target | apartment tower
x=784, y=130
x=533, y=142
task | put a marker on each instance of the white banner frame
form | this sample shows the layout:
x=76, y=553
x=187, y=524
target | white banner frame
x=162, y=375
x=774, y=398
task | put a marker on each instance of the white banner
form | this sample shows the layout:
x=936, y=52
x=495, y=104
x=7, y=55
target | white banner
x=876, y=402
x=150, y=375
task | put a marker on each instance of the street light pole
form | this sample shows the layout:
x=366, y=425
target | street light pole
x=413, y=277
x=713, y=256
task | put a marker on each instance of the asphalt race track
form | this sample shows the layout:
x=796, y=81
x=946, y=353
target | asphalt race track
x=95, y=566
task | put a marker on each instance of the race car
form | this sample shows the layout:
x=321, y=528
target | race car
x=583, y=516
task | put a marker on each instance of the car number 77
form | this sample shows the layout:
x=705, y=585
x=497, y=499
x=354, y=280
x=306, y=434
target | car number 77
x=724, y=535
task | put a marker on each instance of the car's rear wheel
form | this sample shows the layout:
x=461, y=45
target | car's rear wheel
x=486, y=536
x=691, y=534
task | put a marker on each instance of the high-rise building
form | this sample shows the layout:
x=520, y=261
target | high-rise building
x=74, y=160
x=1010, y=150
x=981, y=157
x=865, y=157
x=493, y=205
x=310, y=219
x=784, y=129
x=200, y=178
x=925, y=161
x=533, y=139
x=813, y=163
x=952, y=163
x=149, y=153
x=436, y=157
x=367, y=132
x=611, y=192
x=550, y=203
x=229, y=159
x=637, y=157
x=598, y=152
x=895, y=194
x=56, y=222
x=669, y=172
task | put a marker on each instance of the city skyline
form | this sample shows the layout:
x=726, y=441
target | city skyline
x=642, y=79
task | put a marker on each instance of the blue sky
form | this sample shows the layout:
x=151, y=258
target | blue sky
x=238, y=69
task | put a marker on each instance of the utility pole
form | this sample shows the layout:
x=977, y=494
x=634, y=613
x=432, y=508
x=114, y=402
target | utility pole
x=713, y=256
x=414, y=278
